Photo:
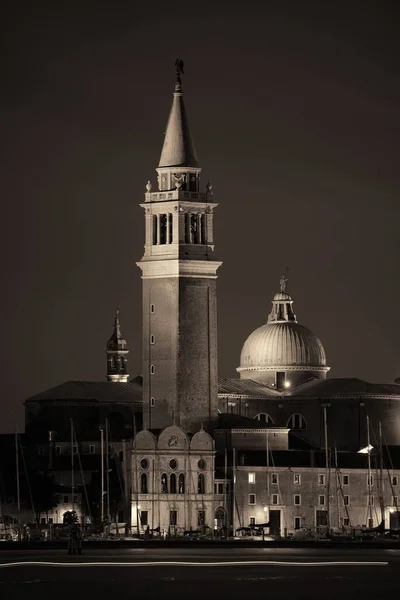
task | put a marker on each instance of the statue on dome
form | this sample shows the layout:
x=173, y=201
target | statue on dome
x=283, y=281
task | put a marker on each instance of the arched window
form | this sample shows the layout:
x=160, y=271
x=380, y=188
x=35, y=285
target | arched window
x=143, y=483
x=201, y=484
x=181, y=483
x=297, y=421
x=164, y=484
x=264, y=418
x=172, y=484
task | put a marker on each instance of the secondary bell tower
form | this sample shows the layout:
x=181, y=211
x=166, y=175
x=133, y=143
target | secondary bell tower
x=179, y=273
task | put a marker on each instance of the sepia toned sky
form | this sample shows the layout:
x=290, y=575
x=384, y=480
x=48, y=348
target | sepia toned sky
x=294, y=110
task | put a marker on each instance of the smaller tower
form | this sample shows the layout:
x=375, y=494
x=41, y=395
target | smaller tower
x=117, y=352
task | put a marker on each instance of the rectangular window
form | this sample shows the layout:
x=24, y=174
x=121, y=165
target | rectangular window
x=92, y=449
x=43, y=520
x=121, y=516
x=50, y=521
x=321, y=500
x=296, y=479
x=144, y=518
x=394, y=501
x=252, y=477
x=252, y=520
x=75, y=449
x=370, y=480
x=346, y=500
x=346, y=521
x=40, y=450
x=201, y=518
x=345, y=480
x=252, y=498
x=370, y=523
x=219, y=488
x=58, y=450
x=75, y=499
x=297, y=522
x=173, y=517
x=66, y=499
x=297, y=499
x=395, y=480
x=321, y=479
x=274, y=478
x=371, y=501
x=274, y=498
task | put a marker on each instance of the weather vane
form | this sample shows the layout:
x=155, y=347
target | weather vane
x=179, y=70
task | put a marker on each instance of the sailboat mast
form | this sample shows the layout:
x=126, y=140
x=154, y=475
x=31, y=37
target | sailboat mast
x=369, y=474
x=17, y=471
x=382, y=502
x=102, y=472
x=327, y=472
x=72, y=466
x=338, y=487
x=107, y=474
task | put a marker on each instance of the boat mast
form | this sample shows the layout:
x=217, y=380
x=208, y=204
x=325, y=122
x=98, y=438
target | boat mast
x=338, y=487
x=327, y=471
x=107, y=474
x=102, y=473
x=369, y=475
x=17, y=471
x=72, y=466
x=381, y=498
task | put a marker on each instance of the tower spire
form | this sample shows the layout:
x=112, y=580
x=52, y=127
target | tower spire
x=117, y=354
x=178, y=149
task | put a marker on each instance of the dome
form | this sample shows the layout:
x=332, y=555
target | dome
x=282, y=353
x=284, y=346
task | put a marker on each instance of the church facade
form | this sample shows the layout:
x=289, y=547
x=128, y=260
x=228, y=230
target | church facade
x=279, y=445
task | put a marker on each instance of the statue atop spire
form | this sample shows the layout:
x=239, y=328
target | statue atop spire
x=179, y=71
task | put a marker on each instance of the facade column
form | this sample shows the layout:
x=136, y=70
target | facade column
x=199, y=228
x=209, y=228
x=158, y=229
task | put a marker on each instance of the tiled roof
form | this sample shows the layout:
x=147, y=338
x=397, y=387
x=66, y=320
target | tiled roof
x=321, y=388
x=233, y=421
x=95, y=391
x=346, y=387
x=315, y=458
x=244, y=387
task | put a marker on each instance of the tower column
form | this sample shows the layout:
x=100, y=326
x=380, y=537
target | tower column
x=209, y=228
x=158, y=229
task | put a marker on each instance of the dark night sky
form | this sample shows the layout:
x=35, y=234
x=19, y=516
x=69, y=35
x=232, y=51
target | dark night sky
x=294, y=109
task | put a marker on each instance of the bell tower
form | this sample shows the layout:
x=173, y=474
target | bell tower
x=179, y=274
x=117, y=355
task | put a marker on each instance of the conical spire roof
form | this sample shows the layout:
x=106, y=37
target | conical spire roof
x=116, y=341
x=178, y=149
